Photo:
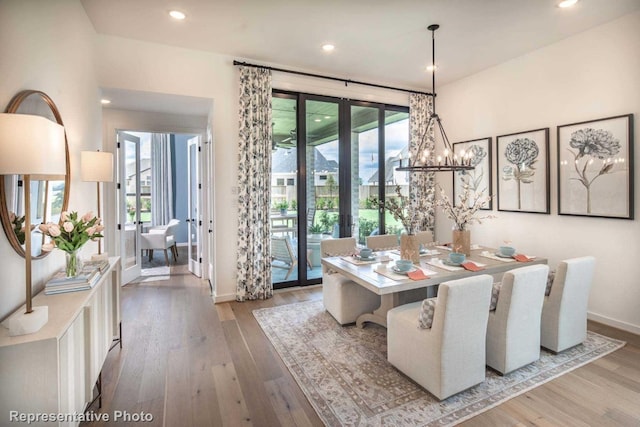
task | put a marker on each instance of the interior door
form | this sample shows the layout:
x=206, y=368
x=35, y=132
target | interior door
x=195, y=220
x=129, y=207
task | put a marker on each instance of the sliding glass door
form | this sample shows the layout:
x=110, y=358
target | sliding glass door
x=336, y=149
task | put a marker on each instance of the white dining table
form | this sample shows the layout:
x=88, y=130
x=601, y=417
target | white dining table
x=390, y=287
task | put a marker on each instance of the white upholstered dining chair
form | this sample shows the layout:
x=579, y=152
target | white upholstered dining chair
x=382, y=242
x=448, y=357
x=513, y=330
x=564, y=313
x=344, y=299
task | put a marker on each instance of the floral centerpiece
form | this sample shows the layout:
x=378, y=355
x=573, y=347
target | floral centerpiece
x=463, y=214
x=411, y=217
x=398, y=207
x=69, y=237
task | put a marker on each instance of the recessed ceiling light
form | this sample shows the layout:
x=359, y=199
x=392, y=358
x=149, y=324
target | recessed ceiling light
x=327, y=117
x=317, y=120
x=176, y=14
x=432, y=68
x=567, y=3
x=328, y=47
x=105, y=101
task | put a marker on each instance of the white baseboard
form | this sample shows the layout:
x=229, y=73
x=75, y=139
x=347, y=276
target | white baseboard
x=224, y=298
x=634, y=329
x=232, y=297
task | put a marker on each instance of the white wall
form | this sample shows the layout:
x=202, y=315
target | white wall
x=142, y=66
x=592, y=75
x=48, y=46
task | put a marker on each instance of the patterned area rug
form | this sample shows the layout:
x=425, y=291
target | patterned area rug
x=344, y=372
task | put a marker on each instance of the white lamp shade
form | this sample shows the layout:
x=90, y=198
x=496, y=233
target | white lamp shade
x=96, y=166
x=31, y=145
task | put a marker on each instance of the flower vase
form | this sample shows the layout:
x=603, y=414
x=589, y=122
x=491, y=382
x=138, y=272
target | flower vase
x=73, y=266
x=462, y=242
x=410, y=248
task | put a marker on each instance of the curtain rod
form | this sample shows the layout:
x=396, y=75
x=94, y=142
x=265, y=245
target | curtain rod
x=319, y=76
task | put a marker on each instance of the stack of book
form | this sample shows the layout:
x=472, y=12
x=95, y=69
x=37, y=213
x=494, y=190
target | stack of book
x=88, y=277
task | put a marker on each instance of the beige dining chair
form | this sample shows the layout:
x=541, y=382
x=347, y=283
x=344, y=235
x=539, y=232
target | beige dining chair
x=564, y=313
x=382, y=242
x=448, y=357
x=344, y=299
x=513, y=330
x=424, y=237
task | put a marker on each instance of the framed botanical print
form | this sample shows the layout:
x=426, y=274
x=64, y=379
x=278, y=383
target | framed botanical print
x=479, y=178
x=595, y=168
x=523, y=171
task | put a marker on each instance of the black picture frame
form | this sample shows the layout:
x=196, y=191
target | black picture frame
x=595, y=168
x=522, y=171
x=481, y=176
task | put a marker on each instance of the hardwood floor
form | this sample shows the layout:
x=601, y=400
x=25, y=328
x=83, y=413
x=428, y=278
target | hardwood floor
x=189, y=362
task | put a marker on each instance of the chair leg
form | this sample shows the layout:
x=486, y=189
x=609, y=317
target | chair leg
x=293, y=266
x=174, y=250
x=166, y=257
x=150, y=254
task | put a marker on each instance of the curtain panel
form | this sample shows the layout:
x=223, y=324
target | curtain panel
x=254, y=186
x=421, y=184
x=161, y=180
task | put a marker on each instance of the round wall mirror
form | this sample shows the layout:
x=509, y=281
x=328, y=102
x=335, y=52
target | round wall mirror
x=49, y=195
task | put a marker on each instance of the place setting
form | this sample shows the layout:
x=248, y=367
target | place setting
x=456, y=262
x=403, y=269
x=366, y=256
x=507, y=254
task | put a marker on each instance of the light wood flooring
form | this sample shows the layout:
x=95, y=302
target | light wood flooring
x=189, y=362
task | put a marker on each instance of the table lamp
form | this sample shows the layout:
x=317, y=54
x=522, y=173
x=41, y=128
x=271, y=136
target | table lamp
x=96, y=166
x=30, y=145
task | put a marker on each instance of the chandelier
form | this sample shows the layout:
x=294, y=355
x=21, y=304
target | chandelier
x=436, y=162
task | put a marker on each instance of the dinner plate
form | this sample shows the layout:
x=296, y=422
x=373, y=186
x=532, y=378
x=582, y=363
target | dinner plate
x=498, y=254
x=451, y=264
x=395, y=270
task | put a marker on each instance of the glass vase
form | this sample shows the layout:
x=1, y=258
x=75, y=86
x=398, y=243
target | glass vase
x=462, y=242
x=410, y=248
x=73, y=266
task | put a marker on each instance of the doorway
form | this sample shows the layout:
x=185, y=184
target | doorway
x=159, y=196
x=344, y=154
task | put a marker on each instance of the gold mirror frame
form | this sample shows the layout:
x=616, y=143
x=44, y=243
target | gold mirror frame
x=13, y=106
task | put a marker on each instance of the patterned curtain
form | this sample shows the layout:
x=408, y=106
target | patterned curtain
x=421, y=184
x=161, y=182
x=254, y=186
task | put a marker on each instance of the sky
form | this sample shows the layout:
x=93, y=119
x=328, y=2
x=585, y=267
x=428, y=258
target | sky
x=396, y=138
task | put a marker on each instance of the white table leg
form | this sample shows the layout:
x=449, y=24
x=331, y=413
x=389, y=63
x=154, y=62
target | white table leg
x=379, y=315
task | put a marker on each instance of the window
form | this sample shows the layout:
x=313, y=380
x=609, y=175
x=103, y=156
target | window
x=290, y=181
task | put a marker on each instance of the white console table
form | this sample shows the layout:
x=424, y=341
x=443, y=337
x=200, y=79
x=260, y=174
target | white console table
x=55, y=369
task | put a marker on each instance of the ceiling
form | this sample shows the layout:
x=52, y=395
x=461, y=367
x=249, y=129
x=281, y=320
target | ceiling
x=379, y=41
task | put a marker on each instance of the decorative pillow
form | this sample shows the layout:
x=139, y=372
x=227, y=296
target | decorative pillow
x=550, y=278
x=425, y=317
x=495, y=294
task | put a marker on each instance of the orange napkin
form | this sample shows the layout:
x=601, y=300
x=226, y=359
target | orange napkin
x=522, y=258
x=471, y=266
x=418, y=274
